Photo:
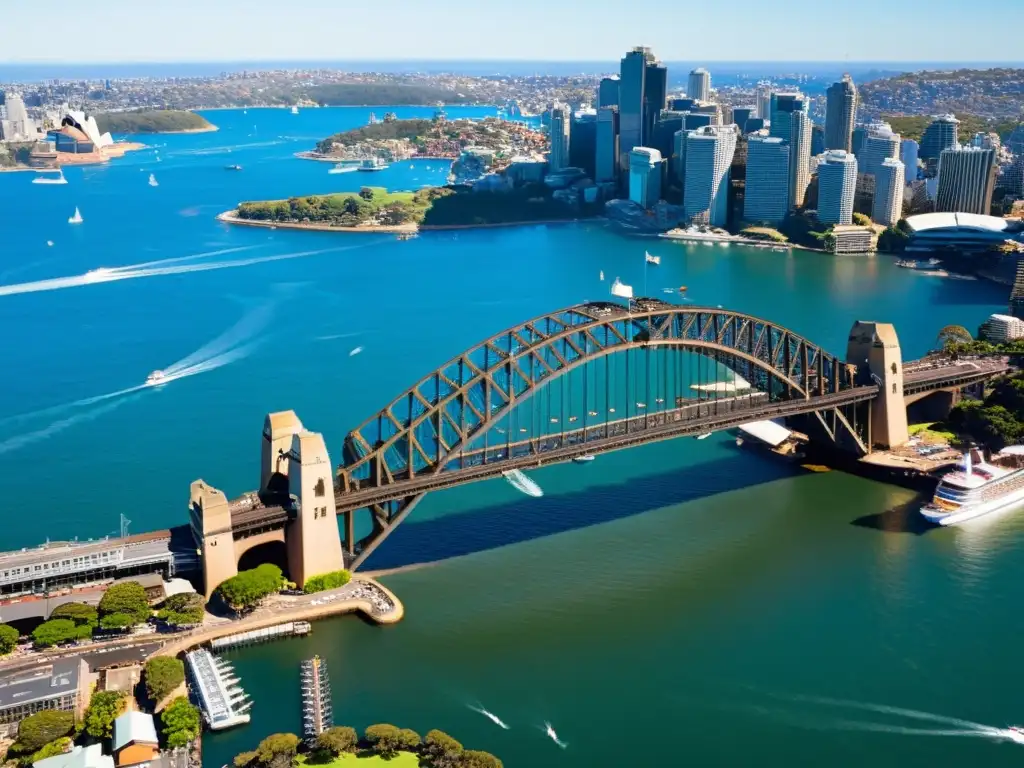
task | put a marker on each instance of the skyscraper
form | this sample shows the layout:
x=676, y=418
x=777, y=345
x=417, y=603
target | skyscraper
x=888, y=203
x=699, y=86
x=558, y=157
x=837, y=183
x=880, y=143
x=655, y=93
x=764, y=101
x=966, y=180
x=817, y=139
x=799, y=157
x=783, y=105
x=860, y=135
x=606, y=162
x=679, y=157
x=17, y=116
x=767, y=191
x=632, y=100
x=608, y=92
x=840, y=114
x=645, y=176
x=908, y=155
x=740, y=115
x=583, y=141
x=709, y=153
x=941, y=133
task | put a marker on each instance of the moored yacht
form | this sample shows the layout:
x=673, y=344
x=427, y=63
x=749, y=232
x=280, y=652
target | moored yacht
x=977, y=487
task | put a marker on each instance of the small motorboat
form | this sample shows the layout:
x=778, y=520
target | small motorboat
x=583, y=459
x=232, y=167
x=1015, y=733
x=155, y=378
x=705, y=436
x=355, y=351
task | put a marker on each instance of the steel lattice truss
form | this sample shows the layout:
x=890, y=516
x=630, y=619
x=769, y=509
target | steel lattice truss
x=445, y=411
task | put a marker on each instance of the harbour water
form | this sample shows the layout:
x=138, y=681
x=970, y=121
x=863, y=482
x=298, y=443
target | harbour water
x=684, y=602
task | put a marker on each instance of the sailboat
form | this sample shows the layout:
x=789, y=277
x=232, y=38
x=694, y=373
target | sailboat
x=77, y=218
x=602, y=274
x=47, y=179
x=295, y=110
x=656, y=260
x=152, y=180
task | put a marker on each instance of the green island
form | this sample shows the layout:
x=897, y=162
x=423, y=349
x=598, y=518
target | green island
x=381, y=744
x=153, y=121
x=376, y=209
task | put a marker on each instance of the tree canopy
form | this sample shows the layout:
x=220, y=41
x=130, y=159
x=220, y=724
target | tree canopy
x=80, y=613
x=181, y=722
x=182, y=610
x=338, y=740
x=387, y=739
x=8, y=639
x=163, y=674
x=104, y=707
x=152, y=121
x=127, y=598
x=40, y=729
x=277, y=750
x=441, y=750
x=326, y=581
x=56, y=631
x=248, y=588
x=474, y=758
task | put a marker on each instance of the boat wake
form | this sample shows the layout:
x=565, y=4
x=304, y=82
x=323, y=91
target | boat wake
x=173, y=266
x=554, y=736
x=490, y=716
x=18, y=441
x=522, y=483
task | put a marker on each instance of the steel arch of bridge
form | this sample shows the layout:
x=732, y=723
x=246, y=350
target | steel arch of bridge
x=421, y=430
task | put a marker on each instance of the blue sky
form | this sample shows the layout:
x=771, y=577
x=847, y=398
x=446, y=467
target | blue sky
x=677, y=30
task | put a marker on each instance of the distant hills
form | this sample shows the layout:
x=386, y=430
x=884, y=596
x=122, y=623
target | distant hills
x=390, y=94
x=996, y=94
x=152, y=121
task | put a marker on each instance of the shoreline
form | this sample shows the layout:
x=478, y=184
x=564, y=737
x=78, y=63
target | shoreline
x=117, y=150
x=208, y=129
x=230, y=217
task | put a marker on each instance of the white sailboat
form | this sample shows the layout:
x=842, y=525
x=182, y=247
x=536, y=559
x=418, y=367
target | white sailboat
x=77, y=218
x=152, y=180
x=295, y=110
x=656, y=260
x=602, y=274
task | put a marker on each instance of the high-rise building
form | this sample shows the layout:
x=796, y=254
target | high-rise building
x=663, y=135
x=908, y=155
x=783, y=105
x=763, y=94
x=699, y=86
x=840, y=114
x=987, y=140
x=17, y=116
x=860, y=135
x=694, y=120
x=655, y=94
x=740, y=115
x=941, y=133
x=1017, y=292
x=606, y=161
x=799, y=157
x=709, y=153
x=967, y=178
x=817, y=139
x=880, y=143
x=767, y=189
x=558, y=157
x=679, y=157
x=645, y=166
x=888, y=203
x=608, y=92
x=837, y=183
x=583, y=141
x=683, y=104
x=632, y=77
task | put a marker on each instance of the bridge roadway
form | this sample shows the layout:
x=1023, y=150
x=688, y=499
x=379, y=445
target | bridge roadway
x=939, y=373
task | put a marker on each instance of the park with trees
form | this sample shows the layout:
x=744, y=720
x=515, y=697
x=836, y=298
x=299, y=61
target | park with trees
x=248, y=589
x=163, y=674
x=381, y=743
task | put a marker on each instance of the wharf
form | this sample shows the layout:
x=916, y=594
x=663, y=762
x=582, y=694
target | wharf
x=317, y=708
x=223, y=701
x=262, y=635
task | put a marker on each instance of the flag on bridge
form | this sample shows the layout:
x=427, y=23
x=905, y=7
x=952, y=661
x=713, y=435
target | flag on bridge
x=622, y=290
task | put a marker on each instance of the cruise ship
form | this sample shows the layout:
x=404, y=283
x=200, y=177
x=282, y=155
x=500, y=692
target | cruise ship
x=978, y=487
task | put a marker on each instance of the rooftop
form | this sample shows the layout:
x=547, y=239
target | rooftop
x=38, y=683
x=80, y=757
x=134, y=726
x=925, y=222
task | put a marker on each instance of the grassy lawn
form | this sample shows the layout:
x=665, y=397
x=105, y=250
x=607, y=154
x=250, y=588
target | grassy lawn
x=367, y=760
x=380, y=196
x=933, y=432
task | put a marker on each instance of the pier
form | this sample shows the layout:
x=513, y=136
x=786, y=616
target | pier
x=317, y=710
x=263, y=635
x=223, y=701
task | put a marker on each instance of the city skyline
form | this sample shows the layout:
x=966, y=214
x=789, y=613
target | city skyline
x=260, y=32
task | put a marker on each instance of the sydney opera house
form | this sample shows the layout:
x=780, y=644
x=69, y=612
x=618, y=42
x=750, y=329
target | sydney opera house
x=79, y=135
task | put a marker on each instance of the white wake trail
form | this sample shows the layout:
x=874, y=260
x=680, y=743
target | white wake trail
x=193, y=257
x=20, y=441
x=984, y=732
x=884, y=709
x=490, y=716
x=253, y=322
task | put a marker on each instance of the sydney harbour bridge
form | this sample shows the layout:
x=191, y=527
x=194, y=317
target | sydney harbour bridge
x=584, y=380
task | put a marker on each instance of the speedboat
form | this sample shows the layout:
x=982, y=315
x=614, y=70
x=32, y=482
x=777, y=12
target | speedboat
x=584, y=458
x=1015, y=733
x=705, y=436
x=155, y=378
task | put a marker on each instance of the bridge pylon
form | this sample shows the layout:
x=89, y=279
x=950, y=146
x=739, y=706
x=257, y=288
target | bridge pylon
x=875, y=349
x=278, y=430
x=312, y=538
x=210, y=519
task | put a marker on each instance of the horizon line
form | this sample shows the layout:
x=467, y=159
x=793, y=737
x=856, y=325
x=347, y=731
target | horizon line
x=80, y=63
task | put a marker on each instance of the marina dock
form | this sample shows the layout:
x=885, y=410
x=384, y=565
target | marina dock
x=263, y=635
x=223, y=701
x=317, y=710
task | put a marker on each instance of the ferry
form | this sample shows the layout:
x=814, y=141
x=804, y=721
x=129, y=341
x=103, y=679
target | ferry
x=373, y=164
x=156, y=377
x=346, y=166
x=44, y=178
x=977, y=488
